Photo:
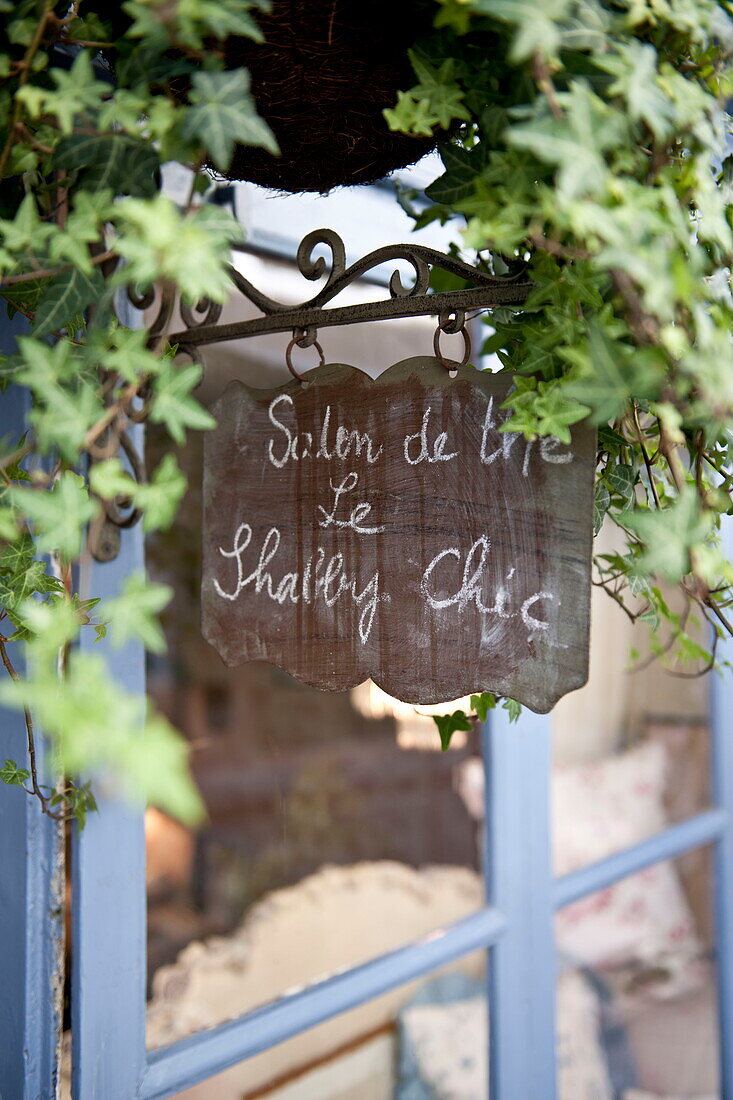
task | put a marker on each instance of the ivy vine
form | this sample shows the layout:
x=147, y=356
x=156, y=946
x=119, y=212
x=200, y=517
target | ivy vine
x=90, y=110
x=591, y=142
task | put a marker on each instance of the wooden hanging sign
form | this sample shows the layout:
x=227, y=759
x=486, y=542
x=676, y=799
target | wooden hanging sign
x=387, y=529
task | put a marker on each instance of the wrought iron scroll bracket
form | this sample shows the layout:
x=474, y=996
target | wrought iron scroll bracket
x=484, y=291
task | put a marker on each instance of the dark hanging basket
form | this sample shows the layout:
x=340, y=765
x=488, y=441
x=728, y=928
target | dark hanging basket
x=321, y=79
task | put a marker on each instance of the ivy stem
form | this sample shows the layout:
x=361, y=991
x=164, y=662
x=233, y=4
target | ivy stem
x=645, y=455
x=669, y=450
x=644, y=327
x=22, y=80
x=30, y=737
x=543, y=80
x=50, y=272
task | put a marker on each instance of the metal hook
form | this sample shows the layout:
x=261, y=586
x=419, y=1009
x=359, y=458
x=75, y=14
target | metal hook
x=305, y=340
x=452, y=323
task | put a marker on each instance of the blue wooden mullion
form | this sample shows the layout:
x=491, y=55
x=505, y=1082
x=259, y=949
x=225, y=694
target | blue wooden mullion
x=721, y=732
x=668, y=844
x=31, y=879
x=108, y=892
x=31, y=927
x=192, y=1060
x=522, y=974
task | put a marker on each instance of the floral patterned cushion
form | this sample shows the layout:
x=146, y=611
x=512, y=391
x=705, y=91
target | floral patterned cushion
x=598, y=809
x=445, y=1046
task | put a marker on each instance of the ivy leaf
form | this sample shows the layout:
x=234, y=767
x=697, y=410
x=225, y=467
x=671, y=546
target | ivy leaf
x=543, y=408
x=59, y=516
x=62, y=421
x=24, y=297
x=121, y=163
x=17, y=587
x=669, y=534
x=77, y=802
x=26, y=232
x=66, y=296
x=575, y=142
x=47, y=626
x=462, y=168
x=435, y=101
x=601, y=503
x=536, y=25
x=77, y=91
x=108, y=480
x=438, y=87
x=14, y=776
x=621, y=480
x=139, y=757
x=482, y=704
x=191, y=250
x=635, y=68
x=610, y=441
x=172, y=403
x=123, y=351
x=133, y=614
x=160, y=497
x=448, y=724
x=513, y=709
x=410, y=115
x=8, y=524
x=609, y=373
x=223, y=114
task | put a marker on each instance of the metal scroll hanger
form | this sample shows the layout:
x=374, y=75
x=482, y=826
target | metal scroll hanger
x=484, y=291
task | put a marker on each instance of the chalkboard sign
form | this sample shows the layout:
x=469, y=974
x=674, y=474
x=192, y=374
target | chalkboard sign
x=387, y=529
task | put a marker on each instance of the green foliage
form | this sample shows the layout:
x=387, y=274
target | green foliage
x=189, y=249
x=589, y=150
x=11, y=774
x=172, y=403
x=58, y=515
x=223, y=114
x=448, y=724
x=93, y=725
x=134, y=613
x=435, y=101
x=81, y=223
x=480, y=704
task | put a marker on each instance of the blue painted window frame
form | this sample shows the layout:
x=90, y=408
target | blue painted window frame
x=516, y=926
x=110, y=1060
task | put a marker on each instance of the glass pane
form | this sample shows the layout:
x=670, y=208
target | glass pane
x=631, y=748
x=336, y=832
x=428, y=1038
x=636, y=996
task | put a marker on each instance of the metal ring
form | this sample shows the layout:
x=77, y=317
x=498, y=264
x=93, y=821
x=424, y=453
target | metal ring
x=305, y=337
x=452, y=320
x=448, y=364
x=289, y=360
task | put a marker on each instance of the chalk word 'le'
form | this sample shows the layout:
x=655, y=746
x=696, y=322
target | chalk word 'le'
x=358, y=513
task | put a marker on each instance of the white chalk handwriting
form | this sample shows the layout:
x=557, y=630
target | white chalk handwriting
x=358, y=513
x=318, y=579
x=454, y=578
